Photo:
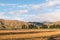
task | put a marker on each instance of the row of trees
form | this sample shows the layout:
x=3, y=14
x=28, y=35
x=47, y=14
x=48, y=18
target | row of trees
x=50, y=26
x=41, y=27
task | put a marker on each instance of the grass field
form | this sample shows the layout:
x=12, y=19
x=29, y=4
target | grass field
x=30, y=34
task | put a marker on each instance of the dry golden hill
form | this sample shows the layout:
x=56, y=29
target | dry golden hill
x=12, y=24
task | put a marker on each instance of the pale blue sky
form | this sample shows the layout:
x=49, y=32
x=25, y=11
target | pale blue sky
x=30, y=10
x=22, y=1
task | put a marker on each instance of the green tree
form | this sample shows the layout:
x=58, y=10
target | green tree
x=52, y=26
x=57, y=26
x=32, y=27
x=44, y=26
x=23, y=26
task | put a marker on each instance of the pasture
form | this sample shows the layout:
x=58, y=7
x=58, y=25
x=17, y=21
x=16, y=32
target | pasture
x=30, y=34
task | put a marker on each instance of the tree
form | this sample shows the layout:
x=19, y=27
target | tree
x=57, y=26
x=23, y=27
x=52, y=26
x=44, y=26
x=32, y=26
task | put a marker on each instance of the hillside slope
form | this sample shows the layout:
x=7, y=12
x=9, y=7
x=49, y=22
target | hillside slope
x=15, y=24
x=12, y=24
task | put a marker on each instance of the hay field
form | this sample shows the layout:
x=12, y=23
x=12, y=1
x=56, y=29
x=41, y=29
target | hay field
x=30, y=34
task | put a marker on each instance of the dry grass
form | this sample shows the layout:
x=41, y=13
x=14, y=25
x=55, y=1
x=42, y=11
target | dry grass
x=32, y=34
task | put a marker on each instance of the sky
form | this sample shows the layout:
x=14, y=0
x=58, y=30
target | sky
x=30, y=10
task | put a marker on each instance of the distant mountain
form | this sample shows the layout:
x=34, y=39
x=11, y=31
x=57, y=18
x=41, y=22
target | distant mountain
x=36, y=23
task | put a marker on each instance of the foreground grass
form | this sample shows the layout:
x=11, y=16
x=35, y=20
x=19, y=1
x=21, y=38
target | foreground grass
x=30, y=34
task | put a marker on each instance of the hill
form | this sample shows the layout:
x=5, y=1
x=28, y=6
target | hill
x=13, y=24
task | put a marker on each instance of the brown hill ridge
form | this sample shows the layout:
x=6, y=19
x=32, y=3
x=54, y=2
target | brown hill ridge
x=52, y=23
x=12, y=24
x=15, y=24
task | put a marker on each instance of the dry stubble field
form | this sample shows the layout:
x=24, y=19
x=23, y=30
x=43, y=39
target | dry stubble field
x=30, y=34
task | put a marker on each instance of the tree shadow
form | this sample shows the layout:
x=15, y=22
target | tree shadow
x=51, y=38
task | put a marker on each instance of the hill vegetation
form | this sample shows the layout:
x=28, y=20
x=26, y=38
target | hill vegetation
x=15, y=24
